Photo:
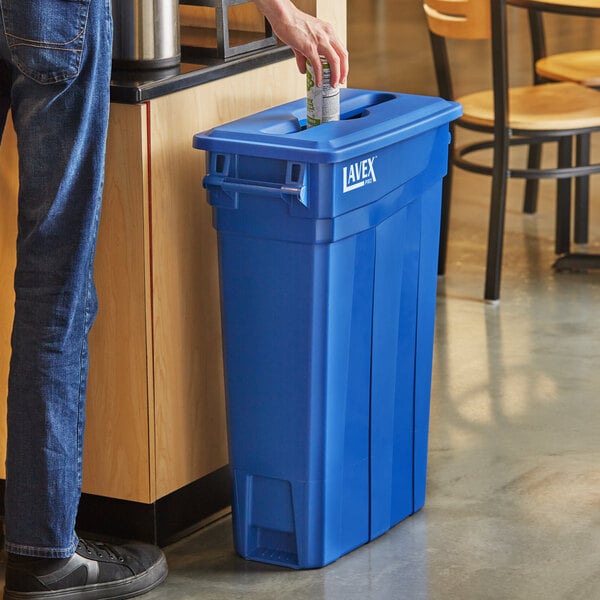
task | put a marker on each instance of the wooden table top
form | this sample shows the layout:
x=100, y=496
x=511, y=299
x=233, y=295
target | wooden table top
x=585, y=8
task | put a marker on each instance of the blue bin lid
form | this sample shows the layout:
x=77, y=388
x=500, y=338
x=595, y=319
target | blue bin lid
x=370, y=120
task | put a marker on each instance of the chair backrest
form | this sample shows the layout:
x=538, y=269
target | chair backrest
x=459, y=19
x=471, y=20
x=538, y=41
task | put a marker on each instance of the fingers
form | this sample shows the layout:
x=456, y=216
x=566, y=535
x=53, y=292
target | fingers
x=337, y=60
x=335, y=54
x=336, y=57
x=342, y=54
x=300, y=61
x=317, y=67
x=335, y=67
x=329, y=46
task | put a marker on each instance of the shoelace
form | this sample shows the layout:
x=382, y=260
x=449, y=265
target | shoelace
x=99, y=550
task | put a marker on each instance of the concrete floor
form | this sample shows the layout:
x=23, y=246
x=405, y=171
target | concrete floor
x=513, y=499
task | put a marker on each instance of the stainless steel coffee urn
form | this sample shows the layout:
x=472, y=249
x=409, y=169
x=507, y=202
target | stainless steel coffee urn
x=146, y=34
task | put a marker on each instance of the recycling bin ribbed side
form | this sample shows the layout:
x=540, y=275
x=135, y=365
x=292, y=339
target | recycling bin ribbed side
x=328, y=241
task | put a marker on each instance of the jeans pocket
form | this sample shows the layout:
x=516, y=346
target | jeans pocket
x=45, y=37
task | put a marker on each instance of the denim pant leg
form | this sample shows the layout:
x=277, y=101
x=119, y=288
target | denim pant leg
x=5, y=85
x=60, y=54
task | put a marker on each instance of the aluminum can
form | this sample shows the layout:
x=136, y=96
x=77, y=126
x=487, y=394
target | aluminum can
x=322, y=103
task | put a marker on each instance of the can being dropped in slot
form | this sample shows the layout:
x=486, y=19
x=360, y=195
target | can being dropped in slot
x=322, y=103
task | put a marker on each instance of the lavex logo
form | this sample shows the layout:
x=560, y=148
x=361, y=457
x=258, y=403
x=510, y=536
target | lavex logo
x=359, y=174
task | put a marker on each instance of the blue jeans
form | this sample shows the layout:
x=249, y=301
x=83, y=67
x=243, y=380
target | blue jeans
x=55, y=62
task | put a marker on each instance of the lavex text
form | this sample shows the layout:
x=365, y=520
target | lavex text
x=359, y=174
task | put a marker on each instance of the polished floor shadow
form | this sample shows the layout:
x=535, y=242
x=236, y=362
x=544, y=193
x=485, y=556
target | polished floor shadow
x=513, y=501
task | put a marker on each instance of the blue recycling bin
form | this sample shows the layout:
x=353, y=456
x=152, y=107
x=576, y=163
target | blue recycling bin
x=328, y=244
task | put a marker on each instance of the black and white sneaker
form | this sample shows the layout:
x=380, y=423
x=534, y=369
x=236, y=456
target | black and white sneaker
x=95, y=572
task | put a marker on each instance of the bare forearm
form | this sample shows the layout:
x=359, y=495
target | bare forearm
x=276, y=10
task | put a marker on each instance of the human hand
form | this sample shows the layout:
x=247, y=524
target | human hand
x=309, y=37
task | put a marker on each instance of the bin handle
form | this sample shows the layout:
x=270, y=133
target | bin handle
x=232, y=187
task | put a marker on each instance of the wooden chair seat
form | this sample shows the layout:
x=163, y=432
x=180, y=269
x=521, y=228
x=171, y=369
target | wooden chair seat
x=581, y=67
x=551, y=106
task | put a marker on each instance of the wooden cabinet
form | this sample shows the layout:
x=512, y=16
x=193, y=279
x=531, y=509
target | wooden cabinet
x=156, y=408
x=157, y=380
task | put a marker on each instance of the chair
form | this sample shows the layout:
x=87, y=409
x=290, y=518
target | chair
x=581, y=67
x=552, y=112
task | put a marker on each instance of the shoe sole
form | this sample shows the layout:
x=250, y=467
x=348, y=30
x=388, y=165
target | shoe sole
x=115, y=590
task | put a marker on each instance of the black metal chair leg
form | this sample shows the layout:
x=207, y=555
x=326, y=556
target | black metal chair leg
x=445, y=220
x=582, y=191
x=532, y=185
x=563, y=198
x=538, y=47
x=496, y=229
